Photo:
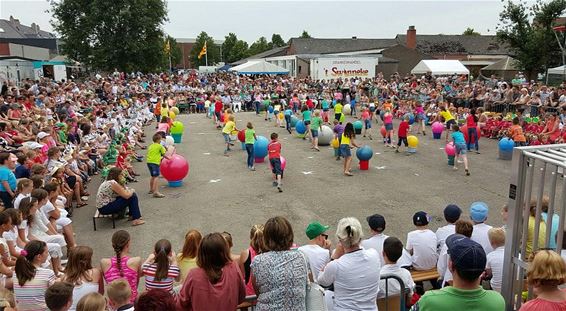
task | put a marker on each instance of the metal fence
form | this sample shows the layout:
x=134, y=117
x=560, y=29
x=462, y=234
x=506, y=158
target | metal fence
x=536, y=171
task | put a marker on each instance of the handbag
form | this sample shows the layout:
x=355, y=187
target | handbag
x=314, y=297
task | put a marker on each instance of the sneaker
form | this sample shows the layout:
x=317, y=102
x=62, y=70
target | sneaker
x=158, y=195
x=477, y=152
x=396, y=150
x=338, y=159
x=150, y=192
x=274, y=184
x=252, y=168
x=279, y=188
x=467, y=173
x=454, y=168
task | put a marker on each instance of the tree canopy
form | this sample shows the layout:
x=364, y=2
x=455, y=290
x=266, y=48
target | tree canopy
x=305, y=34
x=234, y=49
x=470, y=32
x=527, y=30
x=106, y=34
x=213, y=51
x=277, y=41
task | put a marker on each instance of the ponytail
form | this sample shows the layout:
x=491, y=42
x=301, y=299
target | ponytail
x=25, y=270
x=119, y=241
x=162, y=250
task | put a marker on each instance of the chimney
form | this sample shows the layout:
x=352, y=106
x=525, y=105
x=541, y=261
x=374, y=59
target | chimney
x=35, y=28
x=354, y=37
x=412, y=37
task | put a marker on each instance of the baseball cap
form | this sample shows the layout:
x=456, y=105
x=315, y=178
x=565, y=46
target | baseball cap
x=42, y=135
x=452, y=213
x=478, y=211
x=420, y=219
x=315, y=229
x=466, y=254
x=32, y=145
x=376, y=222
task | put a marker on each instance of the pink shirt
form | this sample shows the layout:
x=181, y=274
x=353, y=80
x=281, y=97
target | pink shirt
x=540, y=304
x=365, y=115
x=198, y=294
x=163, y=127
x=127, y=273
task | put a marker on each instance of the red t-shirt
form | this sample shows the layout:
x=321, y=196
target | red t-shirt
x=218, y=106
x=310, y=104
x=403, y=129
x=274, y=149
x=470, y=121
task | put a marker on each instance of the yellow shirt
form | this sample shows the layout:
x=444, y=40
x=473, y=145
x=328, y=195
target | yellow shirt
x=345, y=140
x=446, y=115
x=155, y=152
x=229, y=128
x=338, y=108
x=185, y=265
x=164, y=112
x=531, y=235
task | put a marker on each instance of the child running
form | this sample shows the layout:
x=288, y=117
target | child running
x=346, y=144
x=155, y=152
x=402, y=133
x=249, y=141
x=460, y=144
x=307, y=120
x=288, y=113
x=274, y=150
x=316, y=128
x=366, y=118
x=229, y=129
x=338, y=130
x=388, y=123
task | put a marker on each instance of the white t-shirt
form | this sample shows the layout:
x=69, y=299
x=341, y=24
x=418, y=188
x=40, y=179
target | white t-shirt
x=442, y=265
x=442, y=233
x=356, y=280
x=393, y=287
x=480, y=235
x=423, y=244
x=495, y=263
x=376, y=242
x=18, y=199
x=318, y=258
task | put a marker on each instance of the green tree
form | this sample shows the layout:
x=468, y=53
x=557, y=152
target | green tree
x=527, y=30
x=470, y=32
x=106, y=34
x=261, y=45
x=213, y=51
x=305, y=34
x=277, y=41
x=175, y=51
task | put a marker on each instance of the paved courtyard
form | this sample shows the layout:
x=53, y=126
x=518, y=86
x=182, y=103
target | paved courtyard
x=220, y=194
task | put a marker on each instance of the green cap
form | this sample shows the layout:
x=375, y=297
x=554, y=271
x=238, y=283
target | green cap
x=315, y=229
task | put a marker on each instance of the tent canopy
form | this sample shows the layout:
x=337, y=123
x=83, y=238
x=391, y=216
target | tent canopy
x=440, y=67
x=556, y=70
x=504, y=64
x=257, y=67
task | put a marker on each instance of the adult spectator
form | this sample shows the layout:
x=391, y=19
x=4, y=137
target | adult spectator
x=92, y=302
x=122, y=265
x=119, y=293
x=80, y=273
x=31, y=280
x=467, y=263
x=478, y=214
x=354, y=271
x=217, y=282
x=156, y=300
x=546, y=272
x=279, y=275
x=59, y=296
x=392, y=251
x=452, y=213
x=248, y=255
x=187, y=258
x=114, y=197
x=7, y=178
x=318, y=248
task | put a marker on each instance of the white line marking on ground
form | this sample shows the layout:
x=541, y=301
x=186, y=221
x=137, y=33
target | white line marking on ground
x=308, y=173
x=380, y=167
x=206, y=153
x=214, y=180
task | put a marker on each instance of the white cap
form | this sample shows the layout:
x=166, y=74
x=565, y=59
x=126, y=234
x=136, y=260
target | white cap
x=32, y=145
x=42, y=135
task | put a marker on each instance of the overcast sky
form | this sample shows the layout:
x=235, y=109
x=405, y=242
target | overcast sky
x=323, y=19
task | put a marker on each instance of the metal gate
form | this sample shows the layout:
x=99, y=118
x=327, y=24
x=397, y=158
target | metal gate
x=536, y=171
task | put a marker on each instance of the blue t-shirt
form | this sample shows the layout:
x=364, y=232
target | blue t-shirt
x=307, y=115
x=22, y=172
x=7, y=175
x=458, y=138
x=288, y=112
x=325, y=104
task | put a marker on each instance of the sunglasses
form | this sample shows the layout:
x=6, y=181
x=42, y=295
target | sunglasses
x=325, y=236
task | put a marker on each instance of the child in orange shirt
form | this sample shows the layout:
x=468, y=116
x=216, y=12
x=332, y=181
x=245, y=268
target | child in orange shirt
x=516, y=133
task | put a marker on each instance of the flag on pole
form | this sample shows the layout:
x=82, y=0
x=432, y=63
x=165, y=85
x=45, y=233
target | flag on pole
x=167, y=47
x=203, y=51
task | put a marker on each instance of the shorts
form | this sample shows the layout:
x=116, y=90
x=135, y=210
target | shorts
x=307, y=122
x=276, y=166
x=389, y=126
x=337, y=116
x=367, y=123
x=449, y=124
x=371, y=108
x=345, y=150
x=314, y=133
x=226, y=138
x=153, y=169
x=421, y=116
x=460, y=149
x=217, y=114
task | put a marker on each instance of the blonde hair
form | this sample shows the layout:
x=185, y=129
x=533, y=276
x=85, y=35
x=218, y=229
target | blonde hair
x=496, y=236
x=119, y=291
x=7, y=299
x=546, y=268
x=349, y=232
x=256, y=238
x=317, y=113
x=92, y=302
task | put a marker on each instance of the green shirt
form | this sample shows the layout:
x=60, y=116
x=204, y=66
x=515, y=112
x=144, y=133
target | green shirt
x=155, y=152
x=449, y=298
x=307, y=115
x=315, y=123
x=250, y=136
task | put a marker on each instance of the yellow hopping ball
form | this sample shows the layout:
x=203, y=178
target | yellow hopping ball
x=172, y=115
x=335, y=143
x=281, y=116
x=413, y=141
x=175, y=110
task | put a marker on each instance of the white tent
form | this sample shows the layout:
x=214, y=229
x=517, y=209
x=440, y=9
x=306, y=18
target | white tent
x=440, y=67
x=255, y=67
x=556, y=70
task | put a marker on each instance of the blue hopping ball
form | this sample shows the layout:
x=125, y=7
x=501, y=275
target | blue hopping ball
x=260, y=147
x=270, y=109
x=506, y=144
x=294, y=121
x=364, y=153
x=300, y=127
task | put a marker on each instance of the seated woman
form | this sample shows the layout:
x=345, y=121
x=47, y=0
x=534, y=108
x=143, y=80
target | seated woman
x=113, y=197
x=551, y=131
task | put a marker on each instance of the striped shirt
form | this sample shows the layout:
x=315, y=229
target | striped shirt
x=31, y=296
x=164, y=284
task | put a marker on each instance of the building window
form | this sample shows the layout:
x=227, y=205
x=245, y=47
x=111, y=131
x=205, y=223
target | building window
x=299, y=68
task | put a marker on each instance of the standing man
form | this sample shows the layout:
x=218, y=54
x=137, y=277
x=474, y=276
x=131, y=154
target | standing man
x=7, y=178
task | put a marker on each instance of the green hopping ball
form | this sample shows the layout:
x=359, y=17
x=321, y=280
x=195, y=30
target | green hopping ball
x=342, y=118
